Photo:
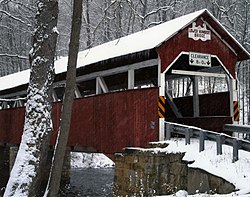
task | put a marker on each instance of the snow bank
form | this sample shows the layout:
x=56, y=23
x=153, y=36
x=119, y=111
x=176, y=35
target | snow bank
x=182, y=193
x=90, y=160
x=237, y=173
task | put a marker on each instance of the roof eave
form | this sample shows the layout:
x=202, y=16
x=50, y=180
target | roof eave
x=242, y=53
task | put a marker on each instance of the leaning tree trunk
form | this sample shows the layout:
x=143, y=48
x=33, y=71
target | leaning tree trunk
x=62, y=138
x=26, y=173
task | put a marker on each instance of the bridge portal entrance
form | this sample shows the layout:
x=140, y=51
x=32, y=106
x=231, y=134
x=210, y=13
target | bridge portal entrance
x=198, y=91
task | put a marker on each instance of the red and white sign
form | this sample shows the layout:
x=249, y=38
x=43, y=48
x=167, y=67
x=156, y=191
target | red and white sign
x=199, y=32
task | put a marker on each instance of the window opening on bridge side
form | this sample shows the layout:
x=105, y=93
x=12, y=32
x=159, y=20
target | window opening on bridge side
x=143, y=78
x=14, y=102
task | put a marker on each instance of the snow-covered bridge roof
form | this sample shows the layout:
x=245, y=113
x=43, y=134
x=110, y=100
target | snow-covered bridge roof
x=140, y=41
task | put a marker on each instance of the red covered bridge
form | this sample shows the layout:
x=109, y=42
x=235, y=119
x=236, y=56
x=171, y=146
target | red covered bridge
x=119, y=84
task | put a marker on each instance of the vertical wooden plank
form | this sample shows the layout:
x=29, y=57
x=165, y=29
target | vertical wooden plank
x=151, y=116
x=2, y=126
x=100, y=121
x=120, y=121
x=196, y=105
x=15, y=127
x=82, y=130
x=139, y=118
x=235, y=150
x=202, y=141
x=131, y=79
x=188, y=134
x=169, y=129
x=219, y=142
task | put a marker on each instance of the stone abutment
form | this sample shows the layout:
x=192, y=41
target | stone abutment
x=150, y=172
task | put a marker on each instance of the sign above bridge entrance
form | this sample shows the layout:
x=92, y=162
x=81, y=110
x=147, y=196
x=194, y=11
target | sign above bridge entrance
x=199, y=59
x=199, y=33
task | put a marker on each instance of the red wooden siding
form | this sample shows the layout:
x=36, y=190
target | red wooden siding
x=107, y=122
x=11, y=125
x=169, y=50
x=212, y=123
x=214, y=111
x=217, y=104
x=110, y=122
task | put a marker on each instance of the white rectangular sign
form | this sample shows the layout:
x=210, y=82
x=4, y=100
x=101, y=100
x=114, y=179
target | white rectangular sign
x=199, y=59
x=199, y=32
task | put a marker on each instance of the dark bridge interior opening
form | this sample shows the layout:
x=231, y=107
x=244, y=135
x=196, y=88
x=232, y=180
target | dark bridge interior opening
x=213, y=96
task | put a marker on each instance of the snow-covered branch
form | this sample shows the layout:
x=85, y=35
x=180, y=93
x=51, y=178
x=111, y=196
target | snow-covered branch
x=15, y=18
x=13, y=55
x=11, y=100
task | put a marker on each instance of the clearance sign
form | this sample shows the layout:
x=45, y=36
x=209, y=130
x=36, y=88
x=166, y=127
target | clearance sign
x=199, y=59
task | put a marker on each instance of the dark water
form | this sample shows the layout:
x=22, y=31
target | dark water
x=91, y=182
x=87, y=183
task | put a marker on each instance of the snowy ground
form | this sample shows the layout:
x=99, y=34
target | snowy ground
x=182, y=193
x=90, y=160
x=237, y=173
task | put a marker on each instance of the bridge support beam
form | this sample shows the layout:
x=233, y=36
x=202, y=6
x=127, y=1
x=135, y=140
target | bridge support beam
x=101, y=86
x=4, y=168
x=131, y=79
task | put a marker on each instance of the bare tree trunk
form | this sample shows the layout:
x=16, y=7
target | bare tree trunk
x=26, y=172
x=87, y=21
x=59, y=153
x=144, y=11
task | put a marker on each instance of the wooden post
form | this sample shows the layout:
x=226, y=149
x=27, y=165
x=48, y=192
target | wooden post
x=235, y=150
x=169, y=129
x=231, y=92
x=131, y=79
x=101, y=86
x=54, y=95
x=202, y=141
x=188, y=134
x=196, y=104
x=4, y=105
x=219, y=142
x=77, y=92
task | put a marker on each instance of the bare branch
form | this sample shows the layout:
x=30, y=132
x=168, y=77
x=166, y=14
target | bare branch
x=11, y=100
x=164, y=8
x=15, y=18
x=10, y=55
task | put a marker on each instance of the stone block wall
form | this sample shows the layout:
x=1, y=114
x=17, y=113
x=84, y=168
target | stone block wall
x=150, y=172
x=201, y=181
x=146, y=173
